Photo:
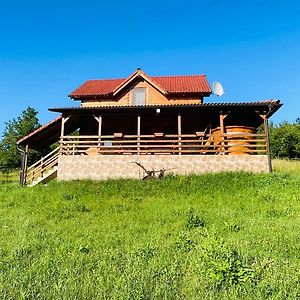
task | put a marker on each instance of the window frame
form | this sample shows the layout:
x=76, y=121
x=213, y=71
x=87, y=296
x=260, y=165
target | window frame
x=146, y=95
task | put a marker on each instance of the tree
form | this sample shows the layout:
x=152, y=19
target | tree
x=14, y=130
x=285, y=139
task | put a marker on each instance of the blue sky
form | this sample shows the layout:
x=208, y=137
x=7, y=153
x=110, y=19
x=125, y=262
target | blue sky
x=49, y=48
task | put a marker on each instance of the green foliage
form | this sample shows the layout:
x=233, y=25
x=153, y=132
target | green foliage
x=15, y=129
x=285, y=140
x=176, y=238
x=225, y=267
x=194, y=220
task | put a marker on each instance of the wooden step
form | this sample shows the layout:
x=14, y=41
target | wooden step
x=48, y=176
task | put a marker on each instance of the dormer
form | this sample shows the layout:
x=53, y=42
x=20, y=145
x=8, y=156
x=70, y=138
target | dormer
x=141, y=89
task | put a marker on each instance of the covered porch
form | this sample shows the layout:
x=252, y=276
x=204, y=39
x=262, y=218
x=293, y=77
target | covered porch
x=175, y=130
x=194, y=130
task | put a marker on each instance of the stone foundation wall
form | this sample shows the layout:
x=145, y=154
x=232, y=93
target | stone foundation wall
x=121, y=166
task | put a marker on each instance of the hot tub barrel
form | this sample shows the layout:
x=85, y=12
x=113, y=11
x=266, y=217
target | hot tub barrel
x=237, y=140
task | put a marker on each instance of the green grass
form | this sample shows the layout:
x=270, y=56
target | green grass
x=216, y=236
x=281, y=165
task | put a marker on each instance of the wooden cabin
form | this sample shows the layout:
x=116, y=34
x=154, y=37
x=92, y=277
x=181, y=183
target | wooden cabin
x=163, y=123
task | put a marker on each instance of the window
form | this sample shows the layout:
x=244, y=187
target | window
x=139, y=96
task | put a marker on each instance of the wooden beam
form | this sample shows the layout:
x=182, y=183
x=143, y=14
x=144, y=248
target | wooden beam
x=266, y=130
x=179, y=132
x=99, y=120
x=138, y=132
x=25, y=165
x=226, y=115
x=64, y=120
x=222, y=128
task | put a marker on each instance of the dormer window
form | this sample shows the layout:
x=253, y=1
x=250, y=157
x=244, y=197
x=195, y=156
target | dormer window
x=139, y=96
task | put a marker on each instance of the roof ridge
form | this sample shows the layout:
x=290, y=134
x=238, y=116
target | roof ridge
x=151, y=76
x=109, y=79
x=168, y=76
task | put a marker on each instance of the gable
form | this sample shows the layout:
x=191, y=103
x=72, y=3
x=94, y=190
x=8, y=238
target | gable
x=153, y=96
x=181, y=86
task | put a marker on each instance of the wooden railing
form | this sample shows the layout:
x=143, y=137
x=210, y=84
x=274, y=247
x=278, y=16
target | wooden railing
x=39, y=168
x=240, y=143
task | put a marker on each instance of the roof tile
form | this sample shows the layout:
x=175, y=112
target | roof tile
x=195, y=84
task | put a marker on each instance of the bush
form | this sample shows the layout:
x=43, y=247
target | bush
x=225, y=267
x=285, y=140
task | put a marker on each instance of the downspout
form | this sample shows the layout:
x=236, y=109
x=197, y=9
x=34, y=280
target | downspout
x=21, y=180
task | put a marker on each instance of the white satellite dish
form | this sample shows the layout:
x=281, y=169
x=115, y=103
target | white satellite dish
x=218, y=88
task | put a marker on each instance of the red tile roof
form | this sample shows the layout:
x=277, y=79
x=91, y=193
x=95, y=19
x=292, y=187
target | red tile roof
x=184, y=84
x=96, y=88
x=193, y=84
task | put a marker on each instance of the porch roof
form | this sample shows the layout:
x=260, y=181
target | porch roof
x=266, y=106
x=47, y=134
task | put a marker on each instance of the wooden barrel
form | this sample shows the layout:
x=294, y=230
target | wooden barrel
x=237, y=140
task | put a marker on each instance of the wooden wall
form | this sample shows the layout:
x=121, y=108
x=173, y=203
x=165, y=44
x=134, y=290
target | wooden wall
x=153, y=97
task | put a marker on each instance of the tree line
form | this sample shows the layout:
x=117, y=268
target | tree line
x=284, y=139
x=15, y=129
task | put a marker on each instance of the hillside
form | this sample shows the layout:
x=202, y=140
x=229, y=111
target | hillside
x=216, y=236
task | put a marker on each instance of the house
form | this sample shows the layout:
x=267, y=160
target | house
x=161, y=123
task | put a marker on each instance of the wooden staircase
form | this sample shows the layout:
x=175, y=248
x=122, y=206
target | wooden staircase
x=43, y=170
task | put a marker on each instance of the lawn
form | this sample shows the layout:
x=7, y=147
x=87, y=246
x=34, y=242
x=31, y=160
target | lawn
x=215, y=236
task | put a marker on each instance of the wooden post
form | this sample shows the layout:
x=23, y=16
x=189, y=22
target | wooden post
x=266, y=129
x=42, y=167
x=62, y=130
x=64, y=120
x=138, y=133
x=25, y=164
x=99, y=119
x=179, y=132
x=222, y=131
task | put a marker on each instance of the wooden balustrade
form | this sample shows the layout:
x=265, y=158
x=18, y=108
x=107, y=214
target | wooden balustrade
x=166, y=144
x=39, y=168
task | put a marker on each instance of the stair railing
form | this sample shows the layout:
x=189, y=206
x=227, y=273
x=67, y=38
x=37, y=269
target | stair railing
x=38, y=169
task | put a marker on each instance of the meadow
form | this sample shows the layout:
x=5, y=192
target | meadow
x=214, y=236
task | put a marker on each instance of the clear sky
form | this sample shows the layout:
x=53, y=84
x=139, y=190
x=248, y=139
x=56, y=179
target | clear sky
x=48, y=48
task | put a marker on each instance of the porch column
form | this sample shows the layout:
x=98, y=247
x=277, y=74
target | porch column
x=266, y=130
x=99, y=120
x=62, y=131
x=24, y=166
x=138, y=133
x=179, y=132
x=222, y=128
x=222, y=131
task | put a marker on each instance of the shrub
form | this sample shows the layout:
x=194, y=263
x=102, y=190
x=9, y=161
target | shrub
x=193, y=220
x=224, y=266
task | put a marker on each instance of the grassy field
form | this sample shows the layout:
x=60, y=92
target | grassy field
x=216, y=236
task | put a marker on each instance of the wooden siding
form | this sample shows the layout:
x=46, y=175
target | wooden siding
x=153, y=97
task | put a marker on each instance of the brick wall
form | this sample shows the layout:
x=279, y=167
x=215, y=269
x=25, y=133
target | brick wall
x=121, y=166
